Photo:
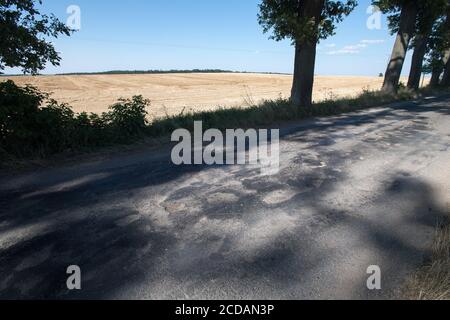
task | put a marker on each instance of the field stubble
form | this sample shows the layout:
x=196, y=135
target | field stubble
x=171, y=94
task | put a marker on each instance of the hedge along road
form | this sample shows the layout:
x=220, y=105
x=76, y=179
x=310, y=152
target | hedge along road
x=353, y=191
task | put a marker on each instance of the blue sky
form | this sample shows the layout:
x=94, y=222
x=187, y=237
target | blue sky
x=222, y=34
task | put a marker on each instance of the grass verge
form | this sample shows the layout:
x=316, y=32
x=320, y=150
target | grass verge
x=273, y=111
x=432, y=281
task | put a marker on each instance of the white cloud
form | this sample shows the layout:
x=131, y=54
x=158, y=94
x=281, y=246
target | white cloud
x=330, y=45
x=343, y=51
x=354, y=48
x=375, y=41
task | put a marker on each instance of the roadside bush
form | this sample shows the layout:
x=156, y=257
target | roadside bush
x=19, y=109
x=128, y=117
x=31, y=125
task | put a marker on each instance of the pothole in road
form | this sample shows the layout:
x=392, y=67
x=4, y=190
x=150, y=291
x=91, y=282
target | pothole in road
x=279, y=196
x=222, y=198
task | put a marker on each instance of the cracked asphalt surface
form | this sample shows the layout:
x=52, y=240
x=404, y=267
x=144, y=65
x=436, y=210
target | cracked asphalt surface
x=353, y=190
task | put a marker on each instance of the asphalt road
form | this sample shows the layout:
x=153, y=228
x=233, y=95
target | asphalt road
x=354, y=190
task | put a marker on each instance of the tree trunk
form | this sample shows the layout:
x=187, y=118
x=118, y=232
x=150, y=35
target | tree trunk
x=405, y=33
x=435, y=76
x=305, y=56
x=446, y=78
x=302, y=88
x=417, y=61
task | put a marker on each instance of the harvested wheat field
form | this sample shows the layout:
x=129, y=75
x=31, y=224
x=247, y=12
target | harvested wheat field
x=173, y=93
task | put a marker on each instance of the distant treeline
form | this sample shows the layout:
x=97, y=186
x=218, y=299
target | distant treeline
x=151, y=72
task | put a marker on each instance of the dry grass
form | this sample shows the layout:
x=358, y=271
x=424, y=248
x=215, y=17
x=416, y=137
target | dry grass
x=432, y=282
x=170, y=94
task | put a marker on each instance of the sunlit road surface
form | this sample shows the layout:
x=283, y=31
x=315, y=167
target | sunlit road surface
x=353, y=191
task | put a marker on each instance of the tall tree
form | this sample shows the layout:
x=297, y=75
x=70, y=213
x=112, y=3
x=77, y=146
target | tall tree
x=435, y=66
x=404, y=24
x=428, y=14
x=23, y=33
x=446, y=45
x=438, y=47
x=305, y=23
x=446, y=77
x=435, y=76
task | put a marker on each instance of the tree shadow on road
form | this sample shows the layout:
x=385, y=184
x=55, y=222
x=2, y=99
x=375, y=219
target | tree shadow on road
x=130, y=232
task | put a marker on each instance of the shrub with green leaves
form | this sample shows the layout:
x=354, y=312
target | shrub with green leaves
x=33, y=125
x=19, y=109
x=128, y=117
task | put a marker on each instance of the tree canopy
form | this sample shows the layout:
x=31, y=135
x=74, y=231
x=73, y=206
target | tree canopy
x=428, y=12
x=23, y=36
x=438, y=43
x=283, y=18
